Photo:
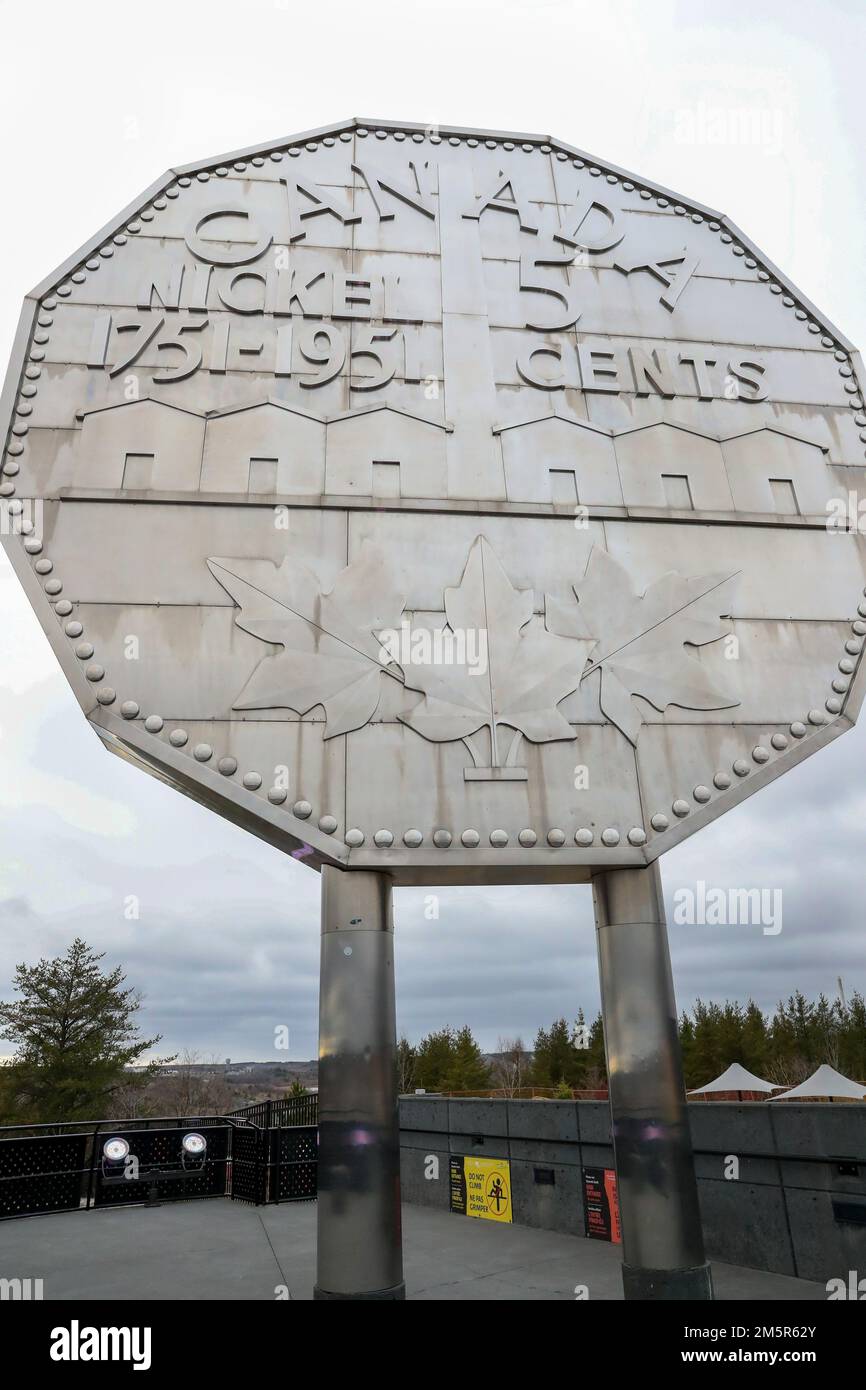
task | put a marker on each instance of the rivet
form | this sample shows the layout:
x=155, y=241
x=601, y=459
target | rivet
x=556, y=838
x=610, y=837
x=583, y=838
x=53, y=587
x=84, y=651
x=840, y=684
x=252, y=781
x=129, y=709
x=659, y=822
x=33, y=546
x=327, y=824
x=798, y=729
x=73, y=628
x=302, y=809
x=412, y=838
x=817, y=716
x=779, y=742
x=153, y=724
x=527, y=838
x=106, y=696
x=722, y=781
x=859, y=627
x=498, y=839
x=227, y=766
x=833, y=705
x=383, y=839
x=354, y=838
x=441, y=838
x=95, y=673
x=637, y=836
x=701, y=793
x=277, y=795
x=202, y=752
x=178, y=737
x=470, y=838
x=43, y=566
x=741, y=767
x=761, y=754
x=680, y=807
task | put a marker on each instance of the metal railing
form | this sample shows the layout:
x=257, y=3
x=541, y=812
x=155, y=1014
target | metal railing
x=64, y=1167
x=287, y=1111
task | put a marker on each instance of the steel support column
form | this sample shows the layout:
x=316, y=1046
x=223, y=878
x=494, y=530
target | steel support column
x=663, y=1247
x=359, y=1236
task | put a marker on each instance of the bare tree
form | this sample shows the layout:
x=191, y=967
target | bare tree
x=405, y=1066
x=510, y=1065
x=194, y=1089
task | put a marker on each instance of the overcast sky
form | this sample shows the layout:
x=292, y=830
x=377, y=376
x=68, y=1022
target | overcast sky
x=756, y=110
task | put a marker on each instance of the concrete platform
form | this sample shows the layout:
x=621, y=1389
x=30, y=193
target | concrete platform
x=219, y=1249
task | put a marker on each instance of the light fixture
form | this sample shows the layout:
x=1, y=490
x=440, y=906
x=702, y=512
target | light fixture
x=194, y=1145
x=115, y=1150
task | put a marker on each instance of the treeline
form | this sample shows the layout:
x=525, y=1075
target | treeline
x=784, y=1047
x=565, y=1056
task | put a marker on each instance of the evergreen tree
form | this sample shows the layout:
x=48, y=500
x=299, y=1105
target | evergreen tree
x=596, y=1057
x=756, y=1043
x=852, y=1038
x=687, y=1048
x=433, y=1058
x=467, y=1070
x=556, y=1056
x=75, y=1036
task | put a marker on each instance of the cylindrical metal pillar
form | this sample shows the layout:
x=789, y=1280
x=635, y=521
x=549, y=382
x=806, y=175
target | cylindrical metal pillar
x=360, y=1251
x=662, y=1240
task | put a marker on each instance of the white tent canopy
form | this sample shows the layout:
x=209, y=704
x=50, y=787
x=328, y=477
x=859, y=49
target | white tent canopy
x=736, y=1078
x=826, y=1082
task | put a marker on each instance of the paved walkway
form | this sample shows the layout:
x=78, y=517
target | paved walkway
x=219, y=1249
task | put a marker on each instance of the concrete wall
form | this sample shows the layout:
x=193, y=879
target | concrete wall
x=790, y=1211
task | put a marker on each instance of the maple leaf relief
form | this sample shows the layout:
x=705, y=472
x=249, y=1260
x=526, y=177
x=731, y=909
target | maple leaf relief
x=640, y=642
x=528, y=670
x=330, y=656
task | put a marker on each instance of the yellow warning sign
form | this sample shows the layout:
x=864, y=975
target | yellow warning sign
x=481, y=1187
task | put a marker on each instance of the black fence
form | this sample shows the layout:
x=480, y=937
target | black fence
x=291, y=1110
x=83, y=1165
